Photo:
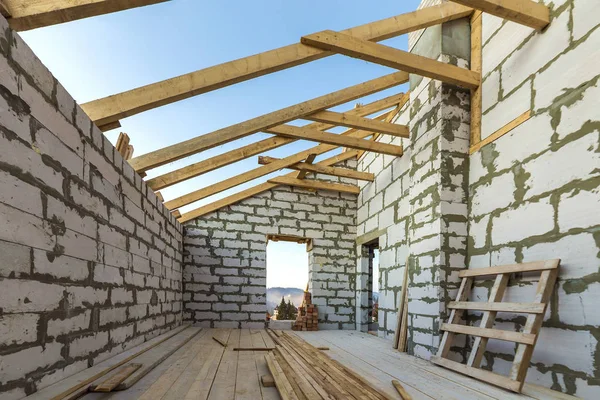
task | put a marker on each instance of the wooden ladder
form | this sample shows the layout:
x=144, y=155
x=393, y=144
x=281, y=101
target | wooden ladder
x=526, y=340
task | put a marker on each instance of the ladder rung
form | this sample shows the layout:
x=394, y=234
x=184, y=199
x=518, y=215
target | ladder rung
x=482, y=374
x=525, y=338
x=510, y=269
x=528, y=308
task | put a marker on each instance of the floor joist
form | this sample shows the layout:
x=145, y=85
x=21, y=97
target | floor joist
x=319, y=169
x=353, y=121
x=115, y=107
x=210, y=164
x=253, y=191
x=393, y=58
x=316, y=185
x=242, y=129
x=25, y=15
x=526, y=12
x=333, y=138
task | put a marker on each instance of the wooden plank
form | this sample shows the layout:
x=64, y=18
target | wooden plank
x=115, y=107
x=216, y=339
x=115, y=380
x=525, y=12
x=509, y=269
x=476, y=66
x=352, y=121
x=403, y=298
x=223, y=386
x=487, y=320
x=393, y=58
x=501, y=132
x=281, y=381
x=370, y=236
x=533, y=324
x=110, y=126
x=507, y=336
x=166, y=383
x=27, y=15
x=401, y=391
x=267, y=381
x=87, y=381
x=237, y=197
x=477, y=373
x=527, y=308
x=247, y=386
x=3, y=10
x=317, y=185
x=320, y=169
x=270, y=120
x=455, y=317
x=204, y=378
x=253, y=348
x=253, y=149
x=335, y=139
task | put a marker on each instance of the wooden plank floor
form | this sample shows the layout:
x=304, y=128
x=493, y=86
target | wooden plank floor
x=203, y=369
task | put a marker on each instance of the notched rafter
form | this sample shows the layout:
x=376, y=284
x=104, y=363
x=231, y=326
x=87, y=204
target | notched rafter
x=393, y=58
x=29, y=14
x=319, y=169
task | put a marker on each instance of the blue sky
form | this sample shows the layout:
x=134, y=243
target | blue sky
x=104, y=55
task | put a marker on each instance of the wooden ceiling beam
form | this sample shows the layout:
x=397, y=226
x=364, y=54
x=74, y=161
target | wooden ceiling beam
x=320, y=169
x=253, y=191
x=526, y=12
x=393, y=58
x=246, y=128
x=25, y=15
x=335, y=139
x=210, y=164
x=389, y=118
x=115, y=107
x=316, y=185
x=260, y=172
x=353, y=121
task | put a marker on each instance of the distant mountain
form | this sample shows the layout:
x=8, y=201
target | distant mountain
x=275, y=294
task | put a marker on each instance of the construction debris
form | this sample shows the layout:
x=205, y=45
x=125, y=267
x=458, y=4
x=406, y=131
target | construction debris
x=301, y=371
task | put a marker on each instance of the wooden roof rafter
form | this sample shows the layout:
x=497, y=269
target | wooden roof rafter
x=253, y=149
x=204, y=142
x=23, y=15
x=319, y=169
x=113, y=108
x=526, y=12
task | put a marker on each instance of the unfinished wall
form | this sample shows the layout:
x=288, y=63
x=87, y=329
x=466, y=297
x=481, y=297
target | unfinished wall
x=418, y=205
x=535, y=192
x=225, y=256
x=90, y=260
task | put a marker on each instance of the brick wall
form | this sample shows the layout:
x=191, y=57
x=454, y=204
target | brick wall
x=535, y=192
x=224, y=269
x=90, y=260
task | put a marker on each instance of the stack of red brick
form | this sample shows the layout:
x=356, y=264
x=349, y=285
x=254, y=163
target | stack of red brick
x=308, y=315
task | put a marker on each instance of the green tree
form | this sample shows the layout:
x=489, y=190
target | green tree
x=282, y=310
x=292, y=310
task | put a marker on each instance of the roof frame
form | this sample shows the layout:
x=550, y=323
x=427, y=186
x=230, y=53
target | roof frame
x=113, y=108
x=320, y=169
x=204, y=142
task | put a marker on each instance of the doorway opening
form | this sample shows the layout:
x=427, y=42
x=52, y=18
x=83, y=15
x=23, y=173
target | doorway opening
x=287, y=276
